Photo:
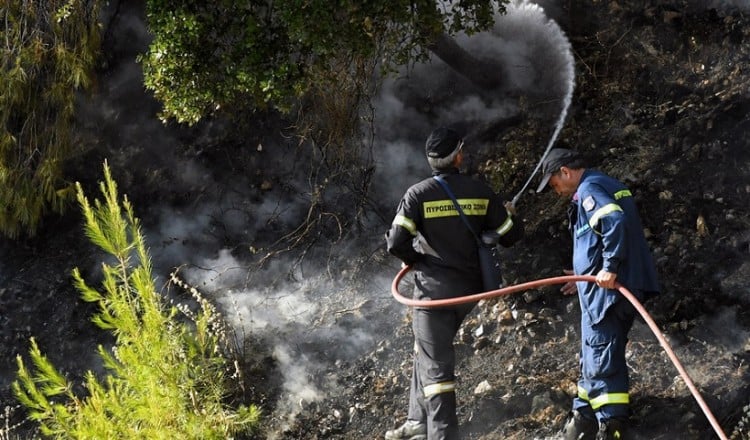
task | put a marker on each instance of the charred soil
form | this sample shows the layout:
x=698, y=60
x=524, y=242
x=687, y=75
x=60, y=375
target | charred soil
x=662, y=101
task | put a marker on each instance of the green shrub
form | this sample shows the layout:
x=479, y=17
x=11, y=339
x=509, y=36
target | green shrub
x=48, y=54
x=165, y=378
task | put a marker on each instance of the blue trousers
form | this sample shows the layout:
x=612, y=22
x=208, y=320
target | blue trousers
x=604, y=383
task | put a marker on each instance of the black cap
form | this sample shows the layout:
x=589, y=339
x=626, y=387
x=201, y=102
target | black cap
x=442, y=142
x=555, y=159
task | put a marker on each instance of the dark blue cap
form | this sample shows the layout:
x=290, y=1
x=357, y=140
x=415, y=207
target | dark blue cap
x=556, y=158
x=442, y=142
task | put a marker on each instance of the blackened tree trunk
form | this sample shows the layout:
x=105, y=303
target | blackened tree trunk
x=483, y=73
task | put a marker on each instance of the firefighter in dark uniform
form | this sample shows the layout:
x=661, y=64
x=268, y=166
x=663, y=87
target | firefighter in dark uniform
x=428, y=234
x=608, y=242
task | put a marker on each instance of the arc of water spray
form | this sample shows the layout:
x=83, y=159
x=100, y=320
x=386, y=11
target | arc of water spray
x=568, y=70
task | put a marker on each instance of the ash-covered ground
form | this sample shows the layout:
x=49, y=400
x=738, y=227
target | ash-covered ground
x=661, y=101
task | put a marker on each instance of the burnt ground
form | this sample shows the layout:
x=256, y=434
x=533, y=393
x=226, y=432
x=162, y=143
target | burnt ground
x=661, y=101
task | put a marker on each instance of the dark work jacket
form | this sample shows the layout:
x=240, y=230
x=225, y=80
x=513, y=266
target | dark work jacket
x=428, y=234
x=608, y=234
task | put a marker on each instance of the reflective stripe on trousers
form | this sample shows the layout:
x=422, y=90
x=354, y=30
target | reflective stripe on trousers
x=604, y=383
x=603, y=399
x=432, y=396
x=438, y=388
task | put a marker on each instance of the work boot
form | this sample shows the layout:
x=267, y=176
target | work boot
x=411, y=430
x=612, y=429
x=579, y=427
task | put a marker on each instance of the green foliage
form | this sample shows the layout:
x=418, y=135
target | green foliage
x=166, y=379
x=253, y=54
x=48, y=53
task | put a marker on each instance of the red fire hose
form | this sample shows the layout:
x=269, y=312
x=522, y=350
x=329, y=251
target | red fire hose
x=561, y=280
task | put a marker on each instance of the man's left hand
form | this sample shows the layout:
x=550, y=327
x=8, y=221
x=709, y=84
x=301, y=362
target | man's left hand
x=606, y=279
x=569, y=288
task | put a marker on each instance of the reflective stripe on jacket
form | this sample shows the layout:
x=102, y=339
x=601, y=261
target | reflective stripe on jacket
x=428, y=233
x=608, y=234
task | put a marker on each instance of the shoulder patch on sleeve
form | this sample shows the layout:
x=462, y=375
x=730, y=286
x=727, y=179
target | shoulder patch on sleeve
x=588, y=203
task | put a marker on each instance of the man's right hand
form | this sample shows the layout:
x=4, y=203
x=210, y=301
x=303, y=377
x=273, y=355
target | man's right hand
x=569, y=288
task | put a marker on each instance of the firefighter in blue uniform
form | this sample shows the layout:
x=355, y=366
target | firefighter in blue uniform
x=608, y=242
x=428, y=234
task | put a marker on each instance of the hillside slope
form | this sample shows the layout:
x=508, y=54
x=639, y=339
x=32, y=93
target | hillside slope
x=661, y=101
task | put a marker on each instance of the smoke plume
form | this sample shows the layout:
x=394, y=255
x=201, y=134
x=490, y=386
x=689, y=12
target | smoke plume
x=319, y=308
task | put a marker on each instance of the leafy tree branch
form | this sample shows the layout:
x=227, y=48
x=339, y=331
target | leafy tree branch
x=259, y=54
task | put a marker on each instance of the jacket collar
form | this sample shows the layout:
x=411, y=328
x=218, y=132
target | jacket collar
x=452, y=170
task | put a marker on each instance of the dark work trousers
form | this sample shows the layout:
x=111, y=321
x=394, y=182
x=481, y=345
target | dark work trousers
x=432, y=397
x=604, y=382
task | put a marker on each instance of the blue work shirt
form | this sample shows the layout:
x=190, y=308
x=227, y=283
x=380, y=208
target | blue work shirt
x=608, y=234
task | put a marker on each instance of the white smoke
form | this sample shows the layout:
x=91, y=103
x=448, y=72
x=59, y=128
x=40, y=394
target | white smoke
x=298, y=307
x=714, y=330
x=536, y=60
x=307, y=326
